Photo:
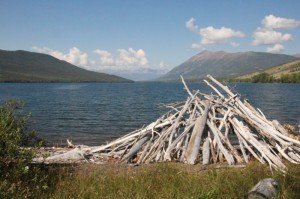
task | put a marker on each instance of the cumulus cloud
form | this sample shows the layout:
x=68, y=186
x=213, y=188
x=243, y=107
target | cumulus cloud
x=125, y=59
x=128, y=63
x=212, y=36
x=275, y=48
x=131, y=57
x=269, y=35
x=273, y=22
x=105, y=57
x=265, y=37
x=191, y=26
x=75, y=56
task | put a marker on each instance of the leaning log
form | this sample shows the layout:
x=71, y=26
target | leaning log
x=195, y=140
x=135, y=148
x=205, y=152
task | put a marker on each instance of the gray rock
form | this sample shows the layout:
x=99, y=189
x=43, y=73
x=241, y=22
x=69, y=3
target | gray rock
x=264, y=189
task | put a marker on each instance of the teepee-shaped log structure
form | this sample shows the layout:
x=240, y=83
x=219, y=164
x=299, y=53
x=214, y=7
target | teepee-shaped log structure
x=206, y=128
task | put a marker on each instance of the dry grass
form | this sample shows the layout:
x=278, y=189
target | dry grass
x=276, y=72
x=167, y=180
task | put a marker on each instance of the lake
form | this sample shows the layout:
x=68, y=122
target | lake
x=92, y=113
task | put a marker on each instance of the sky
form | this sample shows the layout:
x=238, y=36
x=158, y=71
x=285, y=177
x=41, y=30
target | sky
x=144, y=39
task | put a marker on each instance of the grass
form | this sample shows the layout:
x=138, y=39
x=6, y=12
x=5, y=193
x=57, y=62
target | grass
x=277, y=72
x=167, y=180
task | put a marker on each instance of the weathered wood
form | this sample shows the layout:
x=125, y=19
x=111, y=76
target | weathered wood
x=167, y=155
x=176, y=123
x=212, y=151
x=246, y=133
x=224, y=151
x=205, y=152
x=242, y=148
x=147, y=147
x=70, y=145
x=73, y=155
x=186, y=142
x=294, y=156
x=131, y=136
x=135, y=148
x=281, y=151
x=187, y=88
x=195, y=140
x=279, y=127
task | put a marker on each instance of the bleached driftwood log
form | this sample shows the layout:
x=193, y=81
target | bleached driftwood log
x=205, y=152
x=74, y=154
x=206, y=127
x=196, y=135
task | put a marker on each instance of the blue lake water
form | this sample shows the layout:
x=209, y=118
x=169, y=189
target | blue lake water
x=92, y=113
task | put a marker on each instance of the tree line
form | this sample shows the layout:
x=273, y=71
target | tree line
x=267, y=78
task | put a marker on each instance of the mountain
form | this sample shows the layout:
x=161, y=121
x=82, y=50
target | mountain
x=288, y=73
x=223, y=64
x=297, y=55
x=24, y=66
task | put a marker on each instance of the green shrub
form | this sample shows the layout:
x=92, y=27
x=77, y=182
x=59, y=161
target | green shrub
x=18, y=178
x=262, y=78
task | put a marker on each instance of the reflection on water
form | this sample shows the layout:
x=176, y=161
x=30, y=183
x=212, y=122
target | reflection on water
x=92, y=113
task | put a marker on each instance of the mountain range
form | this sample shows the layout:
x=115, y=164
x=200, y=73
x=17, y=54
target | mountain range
x=224, y=65
x=24, y=66
x=297, y=55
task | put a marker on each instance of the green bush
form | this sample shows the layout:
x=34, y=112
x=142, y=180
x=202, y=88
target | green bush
x=292, y=78
x=263, y=78
x=18, y=144
x=266, y=78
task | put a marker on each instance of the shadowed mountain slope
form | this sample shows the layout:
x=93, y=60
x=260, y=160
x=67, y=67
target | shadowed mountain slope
x=24, y=66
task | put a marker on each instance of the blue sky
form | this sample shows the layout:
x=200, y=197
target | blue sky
x=144, y=39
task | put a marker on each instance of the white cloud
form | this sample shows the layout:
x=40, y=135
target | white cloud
x=128, y=63
x=191, y=26
x=105, y=57
x=196, y=45
x=269, y=37
x=126, y=59
x=213, y=36
x=266, y=35
x=273, y=22
x=275, y=48
x=131, y=57
x=234, y=44
x=75, y=56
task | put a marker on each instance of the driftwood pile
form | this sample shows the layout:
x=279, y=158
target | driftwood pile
x=206, y=129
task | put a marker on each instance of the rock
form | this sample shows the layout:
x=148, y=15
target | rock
x=264, y=189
